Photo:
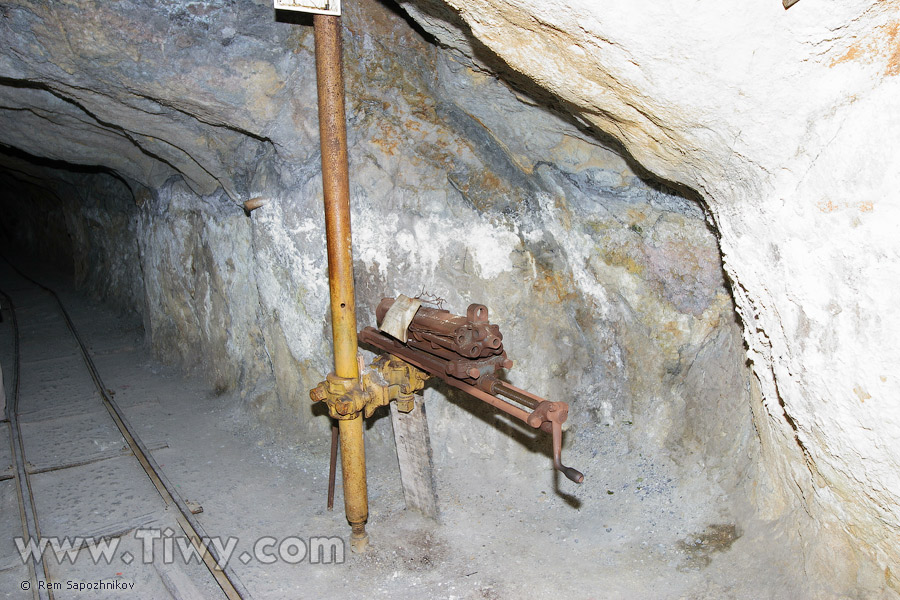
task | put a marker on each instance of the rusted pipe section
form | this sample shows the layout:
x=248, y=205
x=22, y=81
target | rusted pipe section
x=436, y=366
x=471, y=336
x=494, y=401
x=336, y=185
x=501, y=388
x=254, y=203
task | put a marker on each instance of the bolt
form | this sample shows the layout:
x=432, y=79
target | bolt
x=317, y=394
x=359, y=539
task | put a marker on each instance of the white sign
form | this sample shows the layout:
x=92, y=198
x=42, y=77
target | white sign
x=322, y=7
x=398, y=317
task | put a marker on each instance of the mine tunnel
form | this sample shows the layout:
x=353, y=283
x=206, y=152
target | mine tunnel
x=678, y=224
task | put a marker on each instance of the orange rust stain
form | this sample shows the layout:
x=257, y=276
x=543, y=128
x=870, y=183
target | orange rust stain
x=827, y=206
x=671, y=327
x=619, y=257
x=387, y=146
x=389, y=140
x=853, y=53
x=491, y=181
x=893, y=35
x=554, y=283
x=882, y=44
x=551, y=283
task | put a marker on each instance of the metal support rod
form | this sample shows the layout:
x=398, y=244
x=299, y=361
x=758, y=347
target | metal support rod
x=336, y=185
x=332, y=463
x=353, y=469
x=501, y=388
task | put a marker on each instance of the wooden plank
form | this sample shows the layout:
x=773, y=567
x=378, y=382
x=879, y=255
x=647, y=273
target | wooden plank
x=415, y=458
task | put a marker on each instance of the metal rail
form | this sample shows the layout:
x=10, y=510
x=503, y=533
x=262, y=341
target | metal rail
x=23, y=482
x=224, y=575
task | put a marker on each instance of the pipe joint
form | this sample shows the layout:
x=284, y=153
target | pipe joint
x=343, y=396
x=387, y=379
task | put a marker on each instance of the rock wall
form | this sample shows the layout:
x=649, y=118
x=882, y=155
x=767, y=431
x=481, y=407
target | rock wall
x=461, y=188
x=786, y=123
x=609, y=289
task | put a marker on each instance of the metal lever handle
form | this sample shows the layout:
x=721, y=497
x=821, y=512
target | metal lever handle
x=548, y=416
x=569, y=472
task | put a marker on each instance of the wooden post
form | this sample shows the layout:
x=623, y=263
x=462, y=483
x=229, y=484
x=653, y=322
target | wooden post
x=414, y=456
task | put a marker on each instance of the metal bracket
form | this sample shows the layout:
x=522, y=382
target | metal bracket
x=388, y=378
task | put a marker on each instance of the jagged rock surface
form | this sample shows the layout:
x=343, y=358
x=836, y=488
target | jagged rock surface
x=786, y=123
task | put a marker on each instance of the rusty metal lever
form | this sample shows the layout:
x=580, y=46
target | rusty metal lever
x=572, y=474
x=545, y=413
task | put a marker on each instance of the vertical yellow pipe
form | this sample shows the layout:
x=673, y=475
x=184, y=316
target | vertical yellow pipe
x=336, y=184
x=353, y=468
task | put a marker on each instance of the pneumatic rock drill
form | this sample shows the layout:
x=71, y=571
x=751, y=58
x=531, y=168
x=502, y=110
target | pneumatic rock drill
x=465, y=352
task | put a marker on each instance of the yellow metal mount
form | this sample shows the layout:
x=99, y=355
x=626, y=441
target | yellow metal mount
x=348, y=399
x=336, y=190
x=388, y=378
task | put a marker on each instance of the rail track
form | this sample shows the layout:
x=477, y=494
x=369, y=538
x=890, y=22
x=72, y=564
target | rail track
x=94, y=488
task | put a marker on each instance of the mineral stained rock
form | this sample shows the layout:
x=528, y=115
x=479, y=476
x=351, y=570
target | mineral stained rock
x=787, y=124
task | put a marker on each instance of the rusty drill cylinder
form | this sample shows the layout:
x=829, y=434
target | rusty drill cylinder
x=471, y=336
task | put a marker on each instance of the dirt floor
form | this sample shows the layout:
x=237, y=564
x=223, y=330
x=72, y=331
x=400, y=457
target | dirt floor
x=639, y=527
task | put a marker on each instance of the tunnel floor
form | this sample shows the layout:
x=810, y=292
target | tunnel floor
x=632, y=532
